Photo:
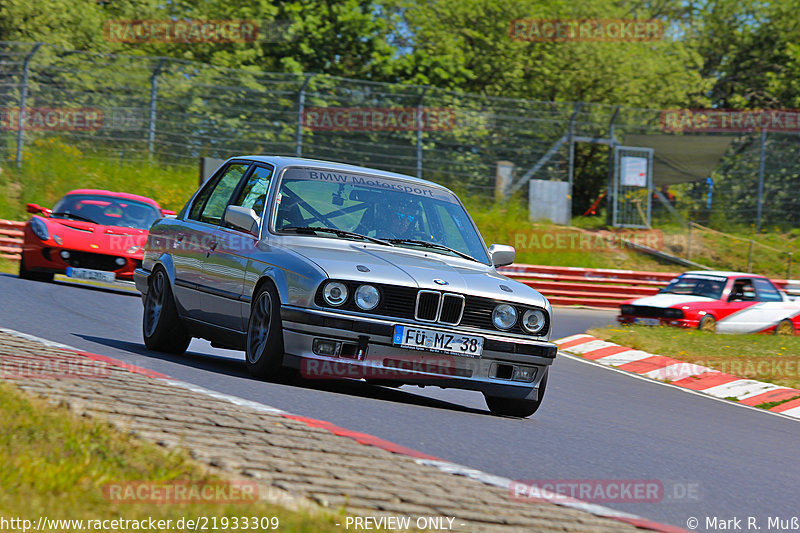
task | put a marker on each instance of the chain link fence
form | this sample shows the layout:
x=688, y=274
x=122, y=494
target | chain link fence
x=173, y=111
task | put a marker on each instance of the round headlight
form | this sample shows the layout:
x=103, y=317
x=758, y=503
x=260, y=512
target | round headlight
x=533, y=320
x=367, y=297
x=39, y=228
x=504, y=316
x=335, y=293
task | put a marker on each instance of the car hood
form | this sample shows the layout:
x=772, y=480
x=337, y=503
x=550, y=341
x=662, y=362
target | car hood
x=416, y=268
x=671, y=300
x=85, y=236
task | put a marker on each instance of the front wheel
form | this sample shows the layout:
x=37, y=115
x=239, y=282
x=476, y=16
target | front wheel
x=162, y=329
x=708, y=324
x=264, y=349
x=515, y=407
x=24, y=273
x=785, y=327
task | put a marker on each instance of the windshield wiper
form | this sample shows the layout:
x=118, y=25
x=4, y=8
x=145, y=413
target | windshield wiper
x=73, y=215
x=435, y=245
x=337, y=232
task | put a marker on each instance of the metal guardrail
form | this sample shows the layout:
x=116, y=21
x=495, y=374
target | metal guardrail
x=11, y=239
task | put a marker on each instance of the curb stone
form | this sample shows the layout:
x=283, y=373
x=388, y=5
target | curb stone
x=298, y=462
x=690, y=376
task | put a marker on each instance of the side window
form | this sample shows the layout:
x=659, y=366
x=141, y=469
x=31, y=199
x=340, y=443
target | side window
x=210, y=204
x=742, y=291
x=254, y=193
x=766, y=291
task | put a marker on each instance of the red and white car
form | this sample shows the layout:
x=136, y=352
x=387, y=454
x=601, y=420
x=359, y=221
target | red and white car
x=726, y=302
x=89, y=234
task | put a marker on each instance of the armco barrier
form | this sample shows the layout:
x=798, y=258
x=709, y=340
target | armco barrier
x=11, y=239
x=600, y=287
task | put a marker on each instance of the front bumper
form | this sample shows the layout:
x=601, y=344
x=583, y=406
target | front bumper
x=662, y=321
x=373, y=356
x=49, y=259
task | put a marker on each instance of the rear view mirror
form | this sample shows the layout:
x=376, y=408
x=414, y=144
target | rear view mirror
x=501, y=254
x=241, y=218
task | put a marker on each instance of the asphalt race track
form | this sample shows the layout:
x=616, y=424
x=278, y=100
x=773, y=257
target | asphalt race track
x=595, y=423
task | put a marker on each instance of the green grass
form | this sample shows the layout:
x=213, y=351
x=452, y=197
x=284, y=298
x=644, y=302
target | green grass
x=8, y=267
x=55, y=464
x=770, y=358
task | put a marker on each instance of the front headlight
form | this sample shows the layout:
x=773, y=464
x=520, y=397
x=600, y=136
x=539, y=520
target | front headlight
x=504, y=316
x=39, y=229
x=367, y=297
x=533, y=321
x=335, y=293
x=671, y=312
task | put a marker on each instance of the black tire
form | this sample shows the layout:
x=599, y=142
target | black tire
x=24, y=273
x=784, y=327
x=162, y=328
x=264, y=345
x=514, y=407
x=708, y=324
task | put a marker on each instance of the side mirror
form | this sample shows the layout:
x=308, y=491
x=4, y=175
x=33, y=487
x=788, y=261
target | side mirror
x=241, y=218
x=501, y=254
x=168, y=212
x=36, y=209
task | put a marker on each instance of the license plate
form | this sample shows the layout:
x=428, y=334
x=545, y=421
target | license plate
x=436, y=341
x=647, y=321
x=86, y=273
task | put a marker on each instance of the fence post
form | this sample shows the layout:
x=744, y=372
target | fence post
x=23, y=101
x=571, y=171
x=419, y=131
x=151, y=126
x=301, y=106
x=750, y=256
x=761, y=162
x=610, y=196
x=689, y=242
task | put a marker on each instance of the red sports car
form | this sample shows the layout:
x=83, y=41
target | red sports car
x=89, y=234
x=727, y=302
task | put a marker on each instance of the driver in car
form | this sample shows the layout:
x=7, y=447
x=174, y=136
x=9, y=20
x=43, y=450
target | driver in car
x=399, y=221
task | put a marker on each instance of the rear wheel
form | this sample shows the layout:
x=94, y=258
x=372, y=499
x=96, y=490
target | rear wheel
x=162, y=328
x=264, y=349
x=514, y=407
x=708, y=323
x=24, y=273
x=785, y=327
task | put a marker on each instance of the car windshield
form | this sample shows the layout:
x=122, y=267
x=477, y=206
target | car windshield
x=395, y=211
x=696, y=285
x=106, y=210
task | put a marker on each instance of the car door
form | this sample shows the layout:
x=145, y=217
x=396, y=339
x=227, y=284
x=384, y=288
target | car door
x=738, y=316
x=192, y=236
x=228, y=253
